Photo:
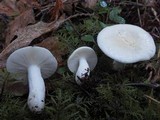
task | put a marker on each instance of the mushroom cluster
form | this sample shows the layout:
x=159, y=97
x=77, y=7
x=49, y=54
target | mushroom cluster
x=37, y=63
x=126, y=43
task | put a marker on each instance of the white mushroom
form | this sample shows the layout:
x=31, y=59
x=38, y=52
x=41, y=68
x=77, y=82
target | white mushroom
x=37, y=63
x=126, y=43
x=81, y=62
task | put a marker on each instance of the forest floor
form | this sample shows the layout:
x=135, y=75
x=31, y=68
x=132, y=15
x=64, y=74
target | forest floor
x=62, y=26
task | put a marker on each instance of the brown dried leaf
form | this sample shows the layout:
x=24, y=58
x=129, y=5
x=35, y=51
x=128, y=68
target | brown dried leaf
x=11, y=4
x=56, y=10
x=21, y=88
x=154, y=71
x=15, y=7
x=56, y=47
x=21, y=21
x=27, y=34
x=69, y=5
x=17, y=88
x=8, y=7
x=24, y=5
x=150, y=3
x=89, y=3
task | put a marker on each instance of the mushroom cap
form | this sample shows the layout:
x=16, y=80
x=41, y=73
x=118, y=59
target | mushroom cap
x=21, y=59
x=82, y=52
x=126, y=43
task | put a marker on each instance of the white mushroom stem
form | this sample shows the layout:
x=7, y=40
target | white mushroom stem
x=36, y=89
x=118, y=65
x=83, y=71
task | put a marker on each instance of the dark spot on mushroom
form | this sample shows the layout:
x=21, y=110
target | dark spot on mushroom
x=86, y=73
x=87, y=69
x=42, y=100
x=36, y=106
x=86, y=76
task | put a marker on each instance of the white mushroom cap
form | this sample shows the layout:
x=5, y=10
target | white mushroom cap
x=82, y=52
x=126, y=43
x=21, y=59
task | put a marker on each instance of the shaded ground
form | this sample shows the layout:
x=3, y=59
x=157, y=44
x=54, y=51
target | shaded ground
x=129, y=94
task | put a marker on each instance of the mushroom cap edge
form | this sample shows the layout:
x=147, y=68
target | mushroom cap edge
x=21, y=59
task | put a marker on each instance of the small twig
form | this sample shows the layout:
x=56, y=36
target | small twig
x=144, y=84
x=74, y=28
x=155, y=14
x=2, y=90
x=131, y=3
x=77, y=15
x=149, y=97
x=156, y=32
x=3, y=86
x=139, y=15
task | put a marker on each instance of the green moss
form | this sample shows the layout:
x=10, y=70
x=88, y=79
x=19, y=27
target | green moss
x=107, y=96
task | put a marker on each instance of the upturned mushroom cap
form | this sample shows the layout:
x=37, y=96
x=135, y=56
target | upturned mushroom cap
x=21, y=59
x=82, y=52
x=126, y=43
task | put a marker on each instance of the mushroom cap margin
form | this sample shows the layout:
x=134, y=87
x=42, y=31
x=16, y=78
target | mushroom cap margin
x=21, y=59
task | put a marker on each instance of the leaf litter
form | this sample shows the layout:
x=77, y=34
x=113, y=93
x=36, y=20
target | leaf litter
x=26, y=25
